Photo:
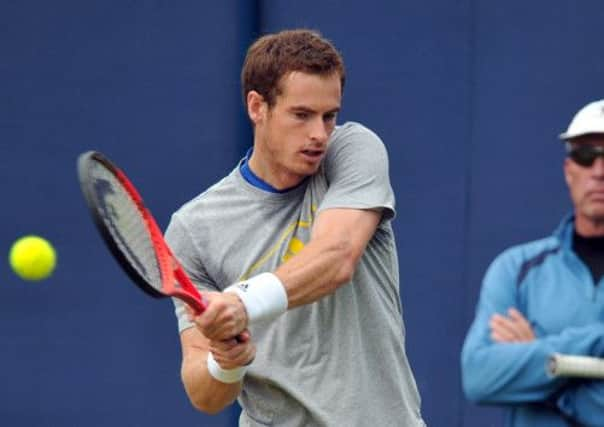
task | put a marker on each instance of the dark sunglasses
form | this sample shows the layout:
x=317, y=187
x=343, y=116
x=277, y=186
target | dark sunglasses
x=584, y=154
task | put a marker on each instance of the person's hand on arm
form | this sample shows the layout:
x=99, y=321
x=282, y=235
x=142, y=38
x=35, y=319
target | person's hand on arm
x=511, y=328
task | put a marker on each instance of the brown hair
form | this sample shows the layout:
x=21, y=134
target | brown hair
x=274, y=55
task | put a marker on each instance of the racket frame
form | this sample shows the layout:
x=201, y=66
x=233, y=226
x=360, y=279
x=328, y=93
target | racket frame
x=170, y=269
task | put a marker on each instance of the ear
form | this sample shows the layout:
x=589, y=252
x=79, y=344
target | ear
x=567, y=174
x=256, y=107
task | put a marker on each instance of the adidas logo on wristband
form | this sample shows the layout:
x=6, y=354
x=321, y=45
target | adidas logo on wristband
x=244, y=286
x=263, y=296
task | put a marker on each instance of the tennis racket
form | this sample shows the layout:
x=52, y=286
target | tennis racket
x=131, y=233
x=564, y=365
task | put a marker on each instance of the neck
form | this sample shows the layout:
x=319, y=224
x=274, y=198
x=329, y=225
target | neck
x=589, y=227
x=270, y=172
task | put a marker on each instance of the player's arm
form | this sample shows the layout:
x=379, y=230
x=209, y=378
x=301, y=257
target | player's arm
x=199, y=373
x=329, y=260
x=358, y=197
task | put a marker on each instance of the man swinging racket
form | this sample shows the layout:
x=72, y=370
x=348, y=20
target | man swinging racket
x=295, y=253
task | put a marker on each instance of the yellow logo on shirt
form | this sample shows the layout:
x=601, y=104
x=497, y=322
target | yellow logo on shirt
x=295, y=244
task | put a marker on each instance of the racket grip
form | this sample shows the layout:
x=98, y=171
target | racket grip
x=197, y=305
x=566, y=365
x=199, y=308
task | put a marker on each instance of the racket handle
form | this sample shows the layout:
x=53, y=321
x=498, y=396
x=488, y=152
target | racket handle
x=198, y=303
x=199, y=306
x=189, y=293
x=566, y=365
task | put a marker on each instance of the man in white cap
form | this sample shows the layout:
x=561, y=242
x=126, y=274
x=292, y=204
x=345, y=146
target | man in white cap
x=545, y=297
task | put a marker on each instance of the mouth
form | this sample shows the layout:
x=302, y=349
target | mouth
x=313, y=155
x=597, y=195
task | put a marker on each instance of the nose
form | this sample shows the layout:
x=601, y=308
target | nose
x=319, y=131
x=598, y=167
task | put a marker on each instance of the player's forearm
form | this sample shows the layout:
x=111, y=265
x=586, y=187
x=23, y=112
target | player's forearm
x=206, y=393
x=318, y=270
x=339, y=239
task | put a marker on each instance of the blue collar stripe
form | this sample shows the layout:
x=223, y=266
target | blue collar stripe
x=252, y=178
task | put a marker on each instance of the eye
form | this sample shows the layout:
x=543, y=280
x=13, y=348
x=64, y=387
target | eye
x=585, y=155
x=330, y=117
x=302, y=115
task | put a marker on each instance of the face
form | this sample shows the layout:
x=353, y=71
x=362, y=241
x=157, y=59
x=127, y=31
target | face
x=586, y=185
x=290, y=138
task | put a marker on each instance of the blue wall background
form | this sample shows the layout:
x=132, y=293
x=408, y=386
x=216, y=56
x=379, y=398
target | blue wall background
x=468, y=96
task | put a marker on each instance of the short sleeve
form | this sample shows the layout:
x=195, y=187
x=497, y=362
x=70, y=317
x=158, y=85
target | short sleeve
x=357, y=171
x=183, y=248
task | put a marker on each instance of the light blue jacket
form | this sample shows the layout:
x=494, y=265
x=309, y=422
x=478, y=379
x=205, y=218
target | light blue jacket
x=553, y=288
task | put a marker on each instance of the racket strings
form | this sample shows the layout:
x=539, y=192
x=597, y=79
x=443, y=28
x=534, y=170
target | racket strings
x=126, y=223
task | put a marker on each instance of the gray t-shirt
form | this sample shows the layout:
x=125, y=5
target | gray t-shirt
x=339, y=361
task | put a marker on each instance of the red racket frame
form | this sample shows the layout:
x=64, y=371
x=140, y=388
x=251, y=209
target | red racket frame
x=170, y=269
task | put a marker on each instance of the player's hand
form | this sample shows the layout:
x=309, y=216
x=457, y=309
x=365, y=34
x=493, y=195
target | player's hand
x=511, y=328
x=233, y=353
x=224, y=318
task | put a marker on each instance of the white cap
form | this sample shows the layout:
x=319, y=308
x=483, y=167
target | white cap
x=589, y=119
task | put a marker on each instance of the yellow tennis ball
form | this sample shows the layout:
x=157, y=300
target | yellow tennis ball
x=32, y=258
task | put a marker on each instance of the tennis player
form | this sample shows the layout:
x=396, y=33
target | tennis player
x=295, y=251
x=545, y=297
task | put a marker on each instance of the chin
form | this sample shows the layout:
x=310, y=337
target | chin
x=311, y=171
x=595, y=214
x=307, y=170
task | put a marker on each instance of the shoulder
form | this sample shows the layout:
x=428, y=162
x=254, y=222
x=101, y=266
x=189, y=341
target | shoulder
x=521, y=258
x=532, y=249
x=353, y=128
x=353, y=132
x=213, y=198
x=352, y=141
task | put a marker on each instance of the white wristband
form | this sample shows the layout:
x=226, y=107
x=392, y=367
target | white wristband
x=263, y=296
x=227, y=376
